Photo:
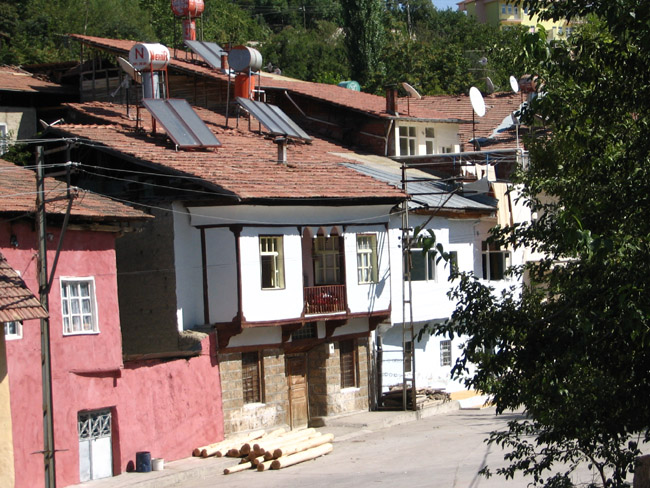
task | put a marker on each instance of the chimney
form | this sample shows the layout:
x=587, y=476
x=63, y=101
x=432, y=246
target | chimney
x=282, y=149
x=391, y=99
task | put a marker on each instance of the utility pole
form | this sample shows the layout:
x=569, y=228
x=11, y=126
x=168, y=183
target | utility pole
x=46, y=364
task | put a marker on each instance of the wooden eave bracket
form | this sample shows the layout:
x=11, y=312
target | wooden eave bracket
x=332, y=325
x=288, y=329
x=227, y=331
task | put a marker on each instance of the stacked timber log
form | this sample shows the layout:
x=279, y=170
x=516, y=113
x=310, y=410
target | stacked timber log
x=276, y=450
x=424, y=397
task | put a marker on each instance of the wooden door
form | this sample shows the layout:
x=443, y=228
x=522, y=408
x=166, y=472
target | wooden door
x=298, y=392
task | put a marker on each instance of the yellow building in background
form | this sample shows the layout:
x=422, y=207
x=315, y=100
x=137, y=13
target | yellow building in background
x=508, y=14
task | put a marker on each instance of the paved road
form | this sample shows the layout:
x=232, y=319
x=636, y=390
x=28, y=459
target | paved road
x=441, y=451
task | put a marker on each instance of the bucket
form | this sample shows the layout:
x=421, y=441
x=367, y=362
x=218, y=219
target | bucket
x=143, y=461
x=157, y=464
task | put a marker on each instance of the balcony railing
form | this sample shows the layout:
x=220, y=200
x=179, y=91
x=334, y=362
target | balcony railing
x=324, y=299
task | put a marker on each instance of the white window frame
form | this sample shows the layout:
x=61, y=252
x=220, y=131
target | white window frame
x=272, y=246
x=453, y=263
x=87, y=306
x=4, y=138
x=410, y=138
x=445, y=352
x=429, y=140
x=430, y=272
x=367, y=271
x=17, y=332
x=490, y=251
x=327, y=266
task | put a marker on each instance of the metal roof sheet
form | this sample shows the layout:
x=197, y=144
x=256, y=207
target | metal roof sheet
x=425, y=193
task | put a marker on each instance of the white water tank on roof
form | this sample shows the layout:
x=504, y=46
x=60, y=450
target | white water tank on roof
x=243, y=58
x=149, y=56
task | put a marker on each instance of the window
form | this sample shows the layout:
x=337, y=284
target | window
x=509, y=9
x=423, y=265
x=13, y=330
x=327, y=268
x=453, y=263
x=503, y=9
x=348, y=352
x=445, y=353
x=407, y=140
x=272, y=259
x=78, y=306
x=429, y=140
x=251, y=368
x=3, y=139
x=495, y=261
x=367, y=258
x=308, y=331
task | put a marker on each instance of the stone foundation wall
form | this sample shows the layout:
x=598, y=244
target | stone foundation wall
x=325, y=394
x=273, y=412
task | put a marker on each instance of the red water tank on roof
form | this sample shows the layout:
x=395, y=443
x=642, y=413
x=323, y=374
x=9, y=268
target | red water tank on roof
x=189, y=30
x=244, y=85
x=185, y=8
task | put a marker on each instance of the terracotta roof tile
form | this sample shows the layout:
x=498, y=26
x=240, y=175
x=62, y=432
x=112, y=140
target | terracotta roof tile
x=336, y=95
x=17, y=302
x=18, y=195
x=15, y=79
x=245, y=166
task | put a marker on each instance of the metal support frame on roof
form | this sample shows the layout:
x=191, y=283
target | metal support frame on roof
x=181, y=123
x=273, y=118
x=211, y=52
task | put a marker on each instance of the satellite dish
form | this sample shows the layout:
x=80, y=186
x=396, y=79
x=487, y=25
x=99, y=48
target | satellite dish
x=411, y=91
x=513, y=84
x=489, y=85
x=483, y=61
x=478, y=104
x=129, y=69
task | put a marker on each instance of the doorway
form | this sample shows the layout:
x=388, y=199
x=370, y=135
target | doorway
x=298, y=391
x=95, y=445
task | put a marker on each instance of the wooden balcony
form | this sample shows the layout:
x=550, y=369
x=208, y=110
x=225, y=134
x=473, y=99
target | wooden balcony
x=324, y=299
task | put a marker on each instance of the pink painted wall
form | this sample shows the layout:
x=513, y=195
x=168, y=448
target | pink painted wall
x=166, y=407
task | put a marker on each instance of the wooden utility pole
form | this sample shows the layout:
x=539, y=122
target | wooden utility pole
x=46, y=364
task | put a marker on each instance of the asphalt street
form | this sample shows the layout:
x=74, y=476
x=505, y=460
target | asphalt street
x=440, y=451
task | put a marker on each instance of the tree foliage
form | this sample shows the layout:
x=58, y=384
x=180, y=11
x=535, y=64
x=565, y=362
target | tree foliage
x=572, y=346
x=363, y=25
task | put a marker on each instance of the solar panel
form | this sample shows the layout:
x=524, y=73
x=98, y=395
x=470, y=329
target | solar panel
x=209, y=51
x=181, y=122
x=273, y=118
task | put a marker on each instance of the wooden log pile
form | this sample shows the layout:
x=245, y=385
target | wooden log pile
x=273, y=450
x=424, y=397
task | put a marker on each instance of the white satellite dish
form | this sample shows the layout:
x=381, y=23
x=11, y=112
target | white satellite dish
x=129, y=69
x=478, y=104
x=411, y=91
x=489, y=84
x=513, y=84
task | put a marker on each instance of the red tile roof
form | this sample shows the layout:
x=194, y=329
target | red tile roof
x=18, y=195
x=16, y=79
x=246, y=165
x=363, y=102
x=16, y=301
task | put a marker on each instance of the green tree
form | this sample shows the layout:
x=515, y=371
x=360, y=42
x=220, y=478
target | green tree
x=316, y=55
x=363, y=24
x=572, y=347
